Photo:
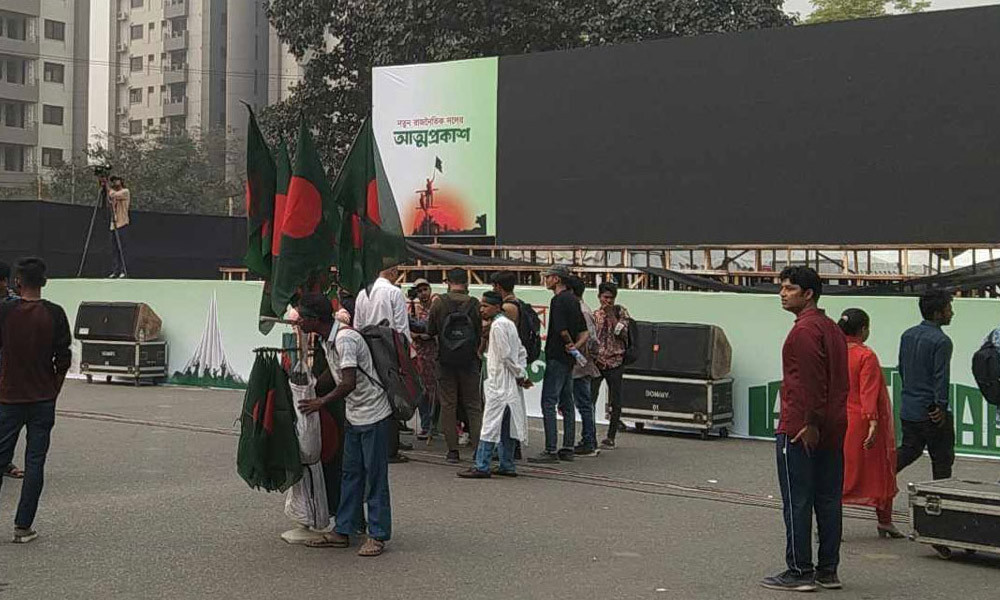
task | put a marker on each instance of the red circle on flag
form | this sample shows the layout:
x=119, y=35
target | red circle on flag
x=304, y=209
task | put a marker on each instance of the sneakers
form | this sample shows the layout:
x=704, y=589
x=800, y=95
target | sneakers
x=23, y=536
x=828, y=580
x=405, y=446
x=586, y=450
x=566, y=455
x=453, y=457
x=474, y=473
x=791, y=582
x=545, y=458
x=500, y=473
x=607, y=444
x=422, y=436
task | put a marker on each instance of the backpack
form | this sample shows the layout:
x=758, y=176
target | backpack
x=458, y=341
x=397, y=375
x=529, y=329
x=631, y=348
x=986, y=370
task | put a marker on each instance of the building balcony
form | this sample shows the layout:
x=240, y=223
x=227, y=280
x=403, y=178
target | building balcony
x=175, y=41
x=25, y=136
x=175, y=107
x=22, y=93
x=16, y=178
x=175, y=74
x=174, y=8
x=19, y=47
x=25, y=7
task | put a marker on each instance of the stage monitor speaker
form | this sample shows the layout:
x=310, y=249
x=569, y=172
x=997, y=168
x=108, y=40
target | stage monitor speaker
x=682, y=350
x=117, y=322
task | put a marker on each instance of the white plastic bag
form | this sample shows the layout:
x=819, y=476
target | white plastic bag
x=305, y=502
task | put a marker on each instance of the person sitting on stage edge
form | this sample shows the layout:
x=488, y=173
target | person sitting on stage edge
x=365, y=463
x=119, y=198
x=810, y=436
x=925, y=368
x=870, y=445
x=35, y=351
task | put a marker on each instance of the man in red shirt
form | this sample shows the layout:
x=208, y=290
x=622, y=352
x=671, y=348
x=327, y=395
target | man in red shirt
x=34, y=350
x=810, y=435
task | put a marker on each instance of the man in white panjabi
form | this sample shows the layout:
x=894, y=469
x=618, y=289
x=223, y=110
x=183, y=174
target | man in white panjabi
x=504, y=417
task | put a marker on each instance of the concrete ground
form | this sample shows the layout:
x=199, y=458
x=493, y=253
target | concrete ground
x=142, y=501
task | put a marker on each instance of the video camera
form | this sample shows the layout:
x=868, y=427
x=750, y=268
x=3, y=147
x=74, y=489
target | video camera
x=102, y=171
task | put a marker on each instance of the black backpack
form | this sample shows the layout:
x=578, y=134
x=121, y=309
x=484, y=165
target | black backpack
x=631, y=348
x=529, y=329
x=986, y=370
x=458, y=340
x=397, y=375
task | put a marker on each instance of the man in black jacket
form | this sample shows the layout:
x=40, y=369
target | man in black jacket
x=34, y=349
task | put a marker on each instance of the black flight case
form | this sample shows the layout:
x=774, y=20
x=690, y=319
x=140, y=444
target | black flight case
x=954, y=514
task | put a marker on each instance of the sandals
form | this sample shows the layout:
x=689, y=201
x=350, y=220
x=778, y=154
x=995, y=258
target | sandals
x=330, y=540
x=371, y=548
x=13, y=472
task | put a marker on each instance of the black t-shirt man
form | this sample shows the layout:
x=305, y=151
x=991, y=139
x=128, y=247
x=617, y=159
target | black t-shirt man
x=564, y=316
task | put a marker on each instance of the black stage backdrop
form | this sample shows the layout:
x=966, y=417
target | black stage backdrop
x=872, y=131
x=164, y=246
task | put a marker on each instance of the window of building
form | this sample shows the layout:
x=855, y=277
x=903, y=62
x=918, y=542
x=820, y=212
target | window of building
x=55, y=30
x=136, y=32
x=17, y=28
x=135, y=96
x=136, y=3
x=14, y=114
x=13, y=158
x=150, y=90
x=149, y=123
x=152, y=26
x=52, y=115
x=135, y=127
x=15, y=71
x=135, y=64
x=55, y=73
x=52, y=157
x=163, y=120
x=150, y=59
x=178, y=26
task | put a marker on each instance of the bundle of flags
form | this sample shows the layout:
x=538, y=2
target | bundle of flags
x=298, y=226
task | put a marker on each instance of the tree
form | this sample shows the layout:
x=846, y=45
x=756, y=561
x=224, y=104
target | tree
x=343, y=39
x=183, y=172
x=825, y=11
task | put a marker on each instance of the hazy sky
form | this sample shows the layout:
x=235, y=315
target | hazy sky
x=99, y=56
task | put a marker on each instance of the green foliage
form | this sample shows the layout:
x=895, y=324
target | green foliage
x=182, y=173
x=825, y=11
x=343, y=39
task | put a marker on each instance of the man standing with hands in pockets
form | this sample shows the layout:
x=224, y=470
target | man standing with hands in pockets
x=810, y=435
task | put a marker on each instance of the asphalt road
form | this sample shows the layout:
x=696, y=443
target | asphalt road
x=142, y=501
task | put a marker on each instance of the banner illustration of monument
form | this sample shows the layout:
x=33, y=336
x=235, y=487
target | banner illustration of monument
x=208, y=366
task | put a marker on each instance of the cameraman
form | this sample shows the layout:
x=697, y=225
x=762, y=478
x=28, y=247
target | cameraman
x=119, y=199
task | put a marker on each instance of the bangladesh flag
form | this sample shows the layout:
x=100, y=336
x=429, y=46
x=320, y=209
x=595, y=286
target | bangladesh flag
x=260, y=187
x=310, y=220
x=284, y=173
x=371, y=234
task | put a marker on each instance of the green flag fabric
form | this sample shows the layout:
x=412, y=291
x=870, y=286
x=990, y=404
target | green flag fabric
x=260, y=186
x=310, y=221
x=284, y=173
x=371, y=234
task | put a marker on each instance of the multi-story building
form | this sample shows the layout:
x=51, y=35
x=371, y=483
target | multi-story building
x=190, y=64
x=44, y=79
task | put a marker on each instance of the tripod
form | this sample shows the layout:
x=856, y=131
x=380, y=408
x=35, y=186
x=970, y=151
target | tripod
x=102, y=200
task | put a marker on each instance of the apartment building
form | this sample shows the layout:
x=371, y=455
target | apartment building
x=44, y=86
x=190, y=64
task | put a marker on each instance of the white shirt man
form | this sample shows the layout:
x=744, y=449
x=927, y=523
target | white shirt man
x=385, y=302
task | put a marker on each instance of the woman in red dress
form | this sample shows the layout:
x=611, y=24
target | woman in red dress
x=870, y=444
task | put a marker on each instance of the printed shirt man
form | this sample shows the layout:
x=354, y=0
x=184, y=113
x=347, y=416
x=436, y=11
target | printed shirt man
x=925, y=369
x=815, y=380
x=610, y=346
x=346, y=349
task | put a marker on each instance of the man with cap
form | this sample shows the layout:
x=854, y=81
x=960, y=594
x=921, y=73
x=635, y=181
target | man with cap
x=504, y=417
x=426, y=348
x=567, y=329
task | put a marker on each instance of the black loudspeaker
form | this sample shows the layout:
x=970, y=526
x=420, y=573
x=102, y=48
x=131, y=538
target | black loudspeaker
x=116, y=321
x=682, y=350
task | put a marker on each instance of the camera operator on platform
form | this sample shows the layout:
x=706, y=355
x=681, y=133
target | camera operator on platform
x=119, y=199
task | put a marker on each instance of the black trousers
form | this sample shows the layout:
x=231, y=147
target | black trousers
x=614, y=379
x=939, y=441
x=118, y=244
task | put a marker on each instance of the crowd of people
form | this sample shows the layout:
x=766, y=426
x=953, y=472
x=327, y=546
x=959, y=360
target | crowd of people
x=835, y=437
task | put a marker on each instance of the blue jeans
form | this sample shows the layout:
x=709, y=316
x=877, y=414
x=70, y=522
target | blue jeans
x=810, y=482
x=557, y=389
x=366, y=467
x=585, y=406
x=39, y=418
x=505, y=449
